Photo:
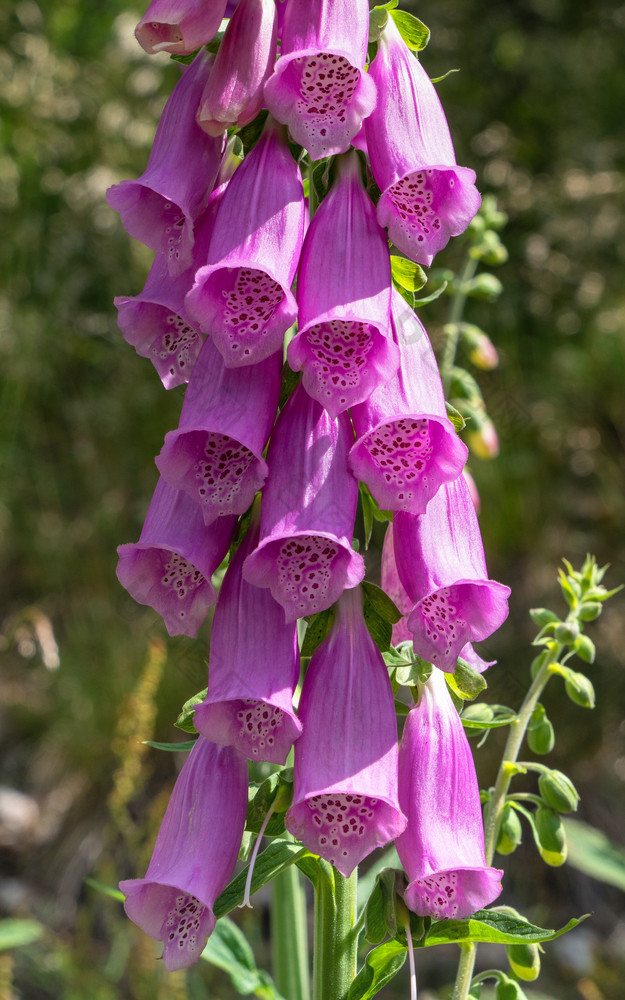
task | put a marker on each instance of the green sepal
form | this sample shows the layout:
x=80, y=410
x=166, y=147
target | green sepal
x=406, y=274
x=524, y=961
x=413, y=31
x=465, y=681
x=317, y=628
x=228, y=949
x=185, y=719
x=381, y=965
x=184, y=746
x=456, y=417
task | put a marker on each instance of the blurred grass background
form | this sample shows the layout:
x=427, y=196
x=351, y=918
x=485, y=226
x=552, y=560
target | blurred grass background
x=537, y=110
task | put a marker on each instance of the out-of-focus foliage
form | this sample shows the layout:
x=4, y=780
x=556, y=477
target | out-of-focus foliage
x=537, y=110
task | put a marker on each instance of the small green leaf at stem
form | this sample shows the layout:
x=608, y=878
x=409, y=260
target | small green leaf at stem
x=413, y=31
x=465, y=681
x=407, y=274
x=185, y=719
x=275, y=858
x=493, y=926
x=381, y=965
x=184, y=745
x=228, y=949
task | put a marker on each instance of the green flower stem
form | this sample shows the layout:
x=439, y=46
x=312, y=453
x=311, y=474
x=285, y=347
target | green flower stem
x=455, y=315
x=497, y=801
x=336, y=940
x=290, y=936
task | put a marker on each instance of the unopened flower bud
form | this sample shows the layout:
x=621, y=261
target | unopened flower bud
x=510, y=832
x=482, y=439
x=550, y=836
x=524, y=960
x=579, y=689
x=540, y=734
x=507, y=989
x=482, y=352
x=567, y=633
x=558, y=791
x=589, y=611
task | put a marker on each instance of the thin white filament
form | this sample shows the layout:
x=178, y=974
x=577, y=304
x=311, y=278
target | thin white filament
x=250, y=871
x=411, y=963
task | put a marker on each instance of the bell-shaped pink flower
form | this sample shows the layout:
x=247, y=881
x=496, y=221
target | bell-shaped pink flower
x=406, y=446
x=171, y=565
x=319, y=87
x=233, y=94
x=161, y=207
x=305, y=554
x=216, y=454
x=345, y=793
x=253, y=668
x=426, y=198
x=194, y=856
x=242, y=297
x=179, y=26
x=392, y=585
x=344, y=345
x=440, y=560
x=442, y=847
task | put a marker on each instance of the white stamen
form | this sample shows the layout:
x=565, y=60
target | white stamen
x=250, y=871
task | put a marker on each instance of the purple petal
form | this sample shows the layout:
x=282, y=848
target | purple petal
x=344, y=345
x=345, y=794
x=216, y=454
x=179, y=26
x=442, y=847
x=249, y=703
x=406, y=444
x=308, y=509
x=171, y=565
x=194, y=855
x=161, y=207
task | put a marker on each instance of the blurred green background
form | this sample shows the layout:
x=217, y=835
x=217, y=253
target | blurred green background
x=537, y=110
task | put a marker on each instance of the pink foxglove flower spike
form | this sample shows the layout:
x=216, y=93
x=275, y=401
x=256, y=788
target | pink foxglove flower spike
x=406, y=446
x=305, y=554
x=161, y=207
x=179, y=26
x=319, y=87
x=440, y=560
x=171, y=565
x=216, y=454
x=253, y=668
x=242, y=297
x=344, y=345
x=426, y=198
x=194, y=855
x=233, y=94
x=345, y=794
x=442, y=847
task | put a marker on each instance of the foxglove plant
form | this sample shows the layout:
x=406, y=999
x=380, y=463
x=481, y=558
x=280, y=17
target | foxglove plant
x=179, y=26
x=216, y=453
x=344, y=344
x=305, y=555
x=242, y=296
x=253, y=668
x=171, y=565
x=345, y=787
x=194, y=855
x=319, y=87
x=426, y=198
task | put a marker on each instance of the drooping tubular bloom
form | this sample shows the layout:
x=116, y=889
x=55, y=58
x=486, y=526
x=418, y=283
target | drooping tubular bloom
x=179, y=26
x=426, y=198
x=392, y=585
x=440, y=561
x=161, y=207
x=344, y=345
x=345, y=792
x=305, y=555
x=171, y=565
x=319, y=87
x=242, y=296
x=194, y=856
x=406, y=446
x=442, y=847
x=233, y=94
x=253, y=668
x=216, y=453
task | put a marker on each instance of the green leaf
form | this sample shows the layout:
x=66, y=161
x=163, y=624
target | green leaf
x=407, y=274
x=15, y=933
x=495, y=927
x=381, y=602
x=543, y=616
x=431, y=298
x=227, y=948
x=185, y=719
x=413, y=31
x=185, y=745
x=381, y=964
x=484, y=716
x=456, y=417
x=439, y=79
x=465, y=681
x=317, y=628
x=592, y=852
x=106, y=890
x=380, y=613
x=263, y=796
x=279, y=855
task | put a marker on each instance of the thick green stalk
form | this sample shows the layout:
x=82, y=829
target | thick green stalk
x=289, y=934
x=497, y=802
x=335, y=954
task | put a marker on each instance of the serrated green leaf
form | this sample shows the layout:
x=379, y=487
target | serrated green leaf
x=494, y=927
x=275, y=858
x=16, y=933
x=456, y=417
x=592, y=852
x=185, y=719
x=413, y=31
x=184, y=746
x=227, y=948
x=465, y=681
x=317, y=628
x=381, y=964
x=407, y=274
